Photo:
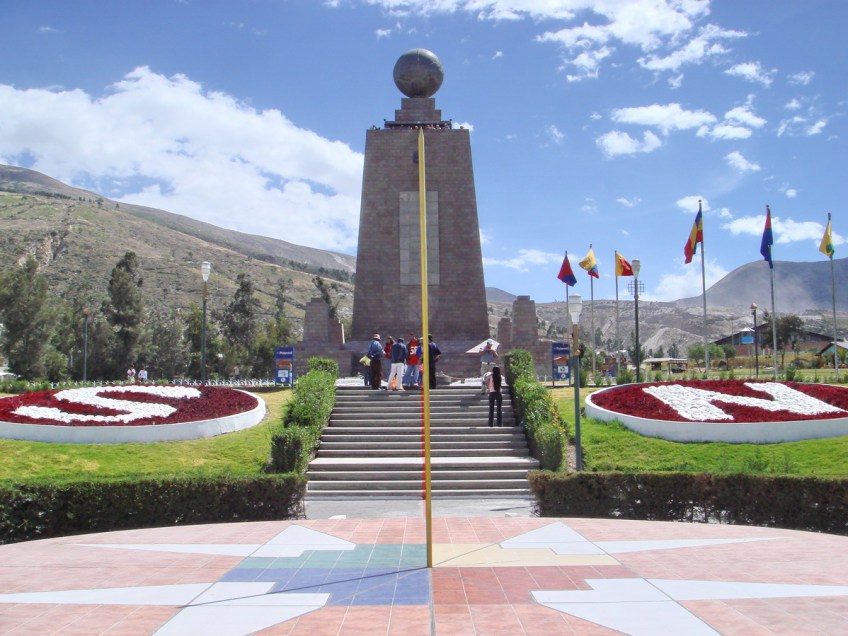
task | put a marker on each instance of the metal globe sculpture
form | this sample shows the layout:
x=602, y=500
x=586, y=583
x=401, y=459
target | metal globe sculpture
x=419, y=73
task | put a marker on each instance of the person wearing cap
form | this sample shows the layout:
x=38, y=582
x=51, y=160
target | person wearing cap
x=413, y=359
x=375, y=355
x=488, y=358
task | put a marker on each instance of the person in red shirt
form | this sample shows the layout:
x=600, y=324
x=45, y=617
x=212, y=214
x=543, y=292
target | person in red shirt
x=413, y=360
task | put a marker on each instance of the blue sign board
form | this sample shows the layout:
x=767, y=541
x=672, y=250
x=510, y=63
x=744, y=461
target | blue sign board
x=284, y=365
x=560, y=359
x=747, y=339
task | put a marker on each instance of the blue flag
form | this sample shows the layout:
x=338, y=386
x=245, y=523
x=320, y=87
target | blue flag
x=768, y=239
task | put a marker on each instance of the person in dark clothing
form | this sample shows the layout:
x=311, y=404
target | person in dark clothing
x=375, y=354
x=434, y=353
x=493, y=382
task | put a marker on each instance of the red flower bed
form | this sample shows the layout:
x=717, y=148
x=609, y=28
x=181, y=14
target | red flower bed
x=632, y=399
x=211, y=403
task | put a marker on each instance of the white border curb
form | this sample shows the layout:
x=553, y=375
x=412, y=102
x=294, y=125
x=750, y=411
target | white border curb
x=730, y=432
x=131, y=434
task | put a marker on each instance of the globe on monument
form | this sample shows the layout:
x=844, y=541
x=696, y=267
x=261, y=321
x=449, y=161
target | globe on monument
x=419, y=73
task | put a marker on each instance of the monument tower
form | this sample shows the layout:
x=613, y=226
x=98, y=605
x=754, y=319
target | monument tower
x=387, y=297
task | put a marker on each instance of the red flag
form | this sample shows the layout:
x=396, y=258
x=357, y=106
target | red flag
x=565, y=273
x=622, y=267
x=695, y=236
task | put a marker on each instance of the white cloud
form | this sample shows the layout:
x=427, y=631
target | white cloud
x=801, y=126
x=524, y=260
x=383, y=33
x=616, y=143
x=790, y=193
x=485, y=237
x=47, y=29
x=724, y=131
x=752, y=72
x=792, y=104
x=744, y=115
x=694, y=51
x=786, y=231
x=464, y=124
x=497, y=55
x=554, y=134
x=675, y=82
x=690, y=203
x=817, y=127
x=590, y=206
x=629, y=203
x=687, y=283
x=666, y=117
x=166, y=143
x=736, y=160
x=803, y=78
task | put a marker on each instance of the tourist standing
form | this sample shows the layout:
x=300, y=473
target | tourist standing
x=413, y=359
x=398, y=359
x=131, y=374
x=493, y=384
x=488, y=358
x=142, y=375
x=387, y=356
x=375, y=355
x=433, y=354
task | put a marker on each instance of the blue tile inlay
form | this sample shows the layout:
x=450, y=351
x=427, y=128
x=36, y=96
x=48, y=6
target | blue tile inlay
x=381, y=574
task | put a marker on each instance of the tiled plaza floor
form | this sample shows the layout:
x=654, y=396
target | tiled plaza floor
x=491, y=575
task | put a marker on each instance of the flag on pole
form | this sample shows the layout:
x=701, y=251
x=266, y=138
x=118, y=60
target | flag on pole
x=695, y=236
x=826, y=246
x=622, y=267
x=768, y=239
x=566, y=275
x=590, y=264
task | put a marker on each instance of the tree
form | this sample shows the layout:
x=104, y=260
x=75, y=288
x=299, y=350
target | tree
x=26, y=320
x=326, y=291
x=192, y=332
x=238, y=323
x=788, y=327
x=674, y=351
x=124, y=311
x=167, y=352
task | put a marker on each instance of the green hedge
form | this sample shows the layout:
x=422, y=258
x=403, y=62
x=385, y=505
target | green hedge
x=40, y=511
x=534, y=407
x=799, y=503
x=307, y=413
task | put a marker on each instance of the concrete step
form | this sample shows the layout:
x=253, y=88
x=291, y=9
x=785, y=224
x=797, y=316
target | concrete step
x=417, y=463
x=418, y=475
x=416, y=452
x=436, y=484
x=505, y=493
x=399, y=435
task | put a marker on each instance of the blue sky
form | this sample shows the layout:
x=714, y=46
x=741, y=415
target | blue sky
x=593, y=121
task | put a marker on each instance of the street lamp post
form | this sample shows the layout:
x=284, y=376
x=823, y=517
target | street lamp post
x=85, y=314
x=756, y=339
x=636, y=266
x=205, y=270
x=575, y=306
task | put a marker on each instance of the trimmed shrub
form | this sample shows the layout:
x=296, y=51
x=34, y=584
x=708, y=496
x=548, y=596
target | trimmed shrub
x=547, y=432
x=323, y=364
x=40, y=511
x=800, y=503
x=309, y=411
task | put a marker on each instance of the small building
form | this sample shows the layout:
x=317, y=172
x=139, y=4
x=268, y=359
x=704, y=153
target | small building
x=668, y=365
x=826, y=352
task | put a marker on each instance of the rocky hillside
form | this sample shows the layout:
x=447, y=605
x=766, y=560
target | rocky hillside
x=77, y=237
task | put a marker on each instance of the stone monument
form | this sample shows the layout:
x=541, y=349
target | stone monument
x=387, y=297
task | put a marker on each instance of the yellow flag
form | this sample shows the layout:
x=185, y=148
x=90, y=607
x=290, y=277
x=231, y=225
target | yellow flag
x=826, y=246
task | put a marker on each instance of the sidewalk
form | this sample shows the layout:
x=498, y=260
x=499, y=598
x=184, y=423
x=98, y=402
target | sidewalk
x=492, y=574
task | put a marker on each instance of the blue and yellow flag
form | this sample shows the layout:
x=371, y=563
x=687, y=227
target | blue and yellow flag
x=590, y=264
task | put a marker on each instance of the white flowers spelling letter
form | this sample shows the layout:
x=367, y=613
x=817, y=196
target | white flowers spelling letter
x=697, y=404
x=90, y=396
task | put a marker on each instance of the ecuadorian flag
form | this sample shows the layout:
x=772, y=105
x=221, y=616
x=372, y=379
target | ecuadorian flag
x=590, y=264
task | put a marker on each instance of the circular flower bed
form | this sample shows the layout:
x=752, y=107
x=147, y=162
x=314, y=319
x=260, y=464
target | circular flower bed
x=725, y=410
x=132, y=413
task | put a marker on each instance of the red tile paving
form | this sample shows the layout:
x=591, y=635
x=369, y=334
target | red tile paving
x=491, y=596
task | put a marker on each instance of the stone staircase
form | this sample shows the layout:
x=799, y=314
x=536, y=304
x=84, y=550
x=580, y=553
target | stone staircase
x=374, y=447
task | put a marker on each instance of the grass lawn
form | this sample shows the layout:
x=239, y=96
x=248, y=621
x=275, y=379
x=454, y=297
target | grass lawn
x=240, y=453
x=611, y=446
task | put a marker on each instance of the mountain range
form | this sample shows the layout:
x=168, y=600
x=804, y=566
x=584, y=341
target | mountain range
x=78, y=236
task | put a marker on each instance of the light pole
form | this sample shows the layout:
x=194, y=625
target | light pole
x=756, y=348
x=575, y=306
x=205, y=270
x=636, y=266
x=85, y=314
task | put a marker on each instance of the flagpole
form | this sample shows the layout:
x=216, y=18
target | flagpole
x=835, y=329
x=773, y=312
x=422, y=220
x=592, y=340
x=616, y=306
x=704, y=295
x=568, y=316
